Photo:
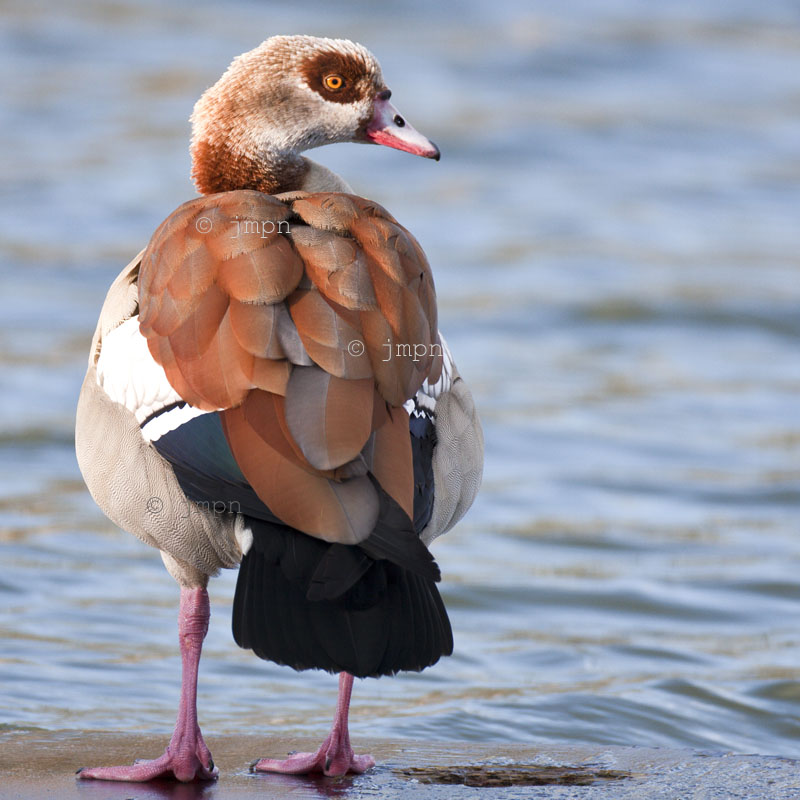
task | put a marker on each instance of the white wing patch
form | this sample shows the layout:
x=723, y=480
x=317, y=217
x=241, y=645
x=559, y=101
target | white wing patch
x=169, y=420
x=429, y=393
x=130, y=376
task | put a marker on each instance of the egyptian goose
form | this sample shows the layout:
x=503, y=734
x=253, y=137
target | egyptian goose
x=267, y=386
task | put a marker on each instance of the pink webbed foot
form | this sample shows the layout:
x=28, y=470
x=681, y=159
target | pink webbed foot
x=187, y=762
x=335, y=757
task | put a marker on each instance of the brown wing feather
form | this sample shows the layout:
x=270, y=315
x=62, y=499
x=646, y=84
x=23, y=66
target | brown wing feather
x=256, y=328
x=192, y=338
x=308, y=320
x=337, y=266
x=330, y=418
x=271, y=376
x=392, y=464
x=197, y=275
x=332, y=342
x=265, y=415
x=393, y=376
x=245, y=278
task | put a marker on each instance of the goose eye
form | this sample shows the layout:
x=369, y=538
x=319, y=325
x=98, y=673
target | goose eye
x=334, y=82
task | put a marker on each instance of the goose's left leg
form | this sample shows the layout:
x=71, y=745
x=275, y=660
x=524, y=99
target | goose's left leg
x=335, y=756
x=187, y=758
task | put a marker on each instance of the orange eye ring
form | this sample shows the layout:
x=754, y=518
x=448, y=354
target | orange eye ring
x=334, y=82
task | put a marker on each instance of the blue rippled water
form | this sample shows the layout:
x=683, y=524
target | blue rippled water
x=613, y=229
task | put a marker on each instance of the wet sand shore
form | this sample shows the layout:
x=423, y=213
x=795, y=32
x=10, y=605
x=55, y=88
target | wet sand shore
x=42, y=764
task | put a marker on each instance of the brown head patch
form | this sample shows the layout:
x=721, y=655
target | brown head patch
x=217, y=167
x=357, y=79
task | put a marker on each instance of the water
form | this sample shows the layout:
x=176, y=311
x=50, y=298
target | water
x=613, y=231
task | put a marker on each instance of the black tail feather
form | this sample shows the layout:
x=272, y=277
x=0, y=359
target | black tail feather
x=299, y=604
x=395, y=538
x=338, y=570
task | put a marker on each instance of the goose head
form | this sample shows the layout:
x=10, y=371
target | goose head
x=290, y=94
